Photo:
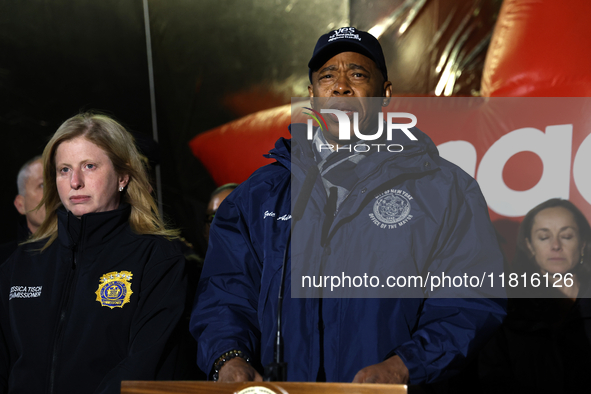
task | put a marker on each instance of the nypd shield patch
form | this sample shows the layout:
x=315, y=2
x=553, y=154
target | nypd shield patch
x=114, y=289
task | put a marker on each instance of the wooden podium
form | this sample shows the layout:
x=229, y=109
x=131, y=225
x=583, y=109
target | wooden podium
x=143, y=387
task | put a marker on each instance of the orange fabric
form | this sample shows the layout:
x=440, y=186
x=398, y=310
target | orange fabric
x=540, y=48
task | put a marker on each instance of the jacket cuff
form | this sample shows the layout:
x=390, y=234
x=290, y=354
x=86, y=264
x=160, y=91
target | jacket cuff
x=416, y=370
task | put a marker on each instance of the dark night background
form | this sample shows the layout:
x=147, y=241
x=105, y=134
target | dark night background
x=214, y=61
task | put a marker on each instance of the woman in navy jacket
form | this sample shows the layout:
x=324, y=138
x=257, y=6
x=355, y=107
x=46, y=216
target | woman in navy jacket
x=95, y=296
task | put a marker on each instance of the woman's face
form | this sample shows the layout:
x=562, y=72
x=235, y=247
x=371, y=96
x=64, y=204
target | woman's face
x=555, y=241
x=85, y=177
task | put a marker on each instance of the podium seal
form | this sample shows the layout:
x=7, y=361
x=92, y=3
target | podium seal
x=256, y=390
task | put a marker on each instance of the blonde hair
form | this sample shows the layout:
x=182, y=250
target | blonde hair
x=119, y=145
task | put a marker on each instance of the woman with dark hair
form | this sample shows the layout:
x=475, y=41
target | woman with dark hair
x=555, y=238
x=544, y=343
x=96, y=295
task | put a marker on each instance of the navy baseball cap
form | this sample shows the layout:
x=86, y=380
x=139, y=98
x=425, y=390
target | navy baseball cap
x=347, y=39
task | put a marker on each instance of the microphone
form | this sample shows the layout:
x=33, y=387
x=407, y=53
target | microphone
x=277, y=370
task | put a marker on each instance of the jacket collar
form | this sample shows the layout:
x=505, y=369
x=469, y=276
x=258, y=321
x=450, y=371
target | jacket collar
x=281, y=152
x=92, y=229
x=22, y=230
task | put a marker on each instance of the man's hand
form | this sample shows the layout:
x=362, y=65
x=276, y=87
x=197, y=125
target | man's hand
x=238, y=370
x=391, y=370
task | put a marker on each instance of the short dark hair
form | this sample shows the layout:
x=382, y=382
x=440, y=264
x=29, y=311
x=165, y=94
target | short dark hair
x=24, y=173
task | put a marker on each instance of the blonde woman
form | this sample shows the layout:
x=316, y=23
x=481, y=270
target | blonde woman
x=96, y=295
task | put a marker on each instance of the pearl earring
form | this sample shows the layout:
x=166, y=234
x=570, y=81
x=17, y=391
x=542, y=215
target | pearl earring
x=120, y=188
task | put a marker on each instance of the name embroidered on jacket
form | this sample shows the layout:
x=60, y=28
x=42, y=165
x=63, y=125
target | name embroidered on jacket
x=272, y=215
x=391, y=209
x=25, y=292
x=114, y=289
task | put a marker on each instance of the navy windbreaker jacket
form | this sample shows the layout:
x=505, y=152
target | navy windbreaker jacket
x=447, y=229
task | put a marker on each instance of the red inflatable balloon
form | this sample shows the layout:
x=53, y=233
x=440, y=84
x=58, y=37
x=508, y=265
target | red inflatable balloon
x=540, y=48
x=233, y=151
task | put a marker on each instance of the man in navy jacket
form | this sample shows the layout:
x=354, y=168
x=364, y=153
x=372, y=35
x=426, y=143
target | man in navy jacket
x=407, y=213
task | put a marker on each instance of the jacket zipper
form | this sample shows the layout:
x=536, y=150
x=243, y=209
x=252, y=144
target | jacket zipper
x=65, y=303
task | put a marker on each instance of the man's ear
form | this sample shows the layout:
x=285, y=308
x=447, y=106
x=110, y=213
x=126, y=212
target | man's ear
x=19, y=203
x=311, y=96
x=387, y=92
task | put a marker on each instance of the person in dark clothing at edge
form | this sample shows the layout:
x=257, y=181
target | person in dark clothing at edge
x=30, y=192
x=96, y=295
x=216, y=198
x=544, y=344
x=377, y=340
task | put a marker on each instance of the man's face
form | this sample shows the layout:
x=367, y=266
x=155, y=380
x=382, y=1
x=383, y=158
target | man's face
x=339, y=81
x=32, y=197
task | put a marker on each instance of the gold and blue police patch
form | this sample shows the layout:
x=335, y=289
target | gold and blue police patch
x=114, y=289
